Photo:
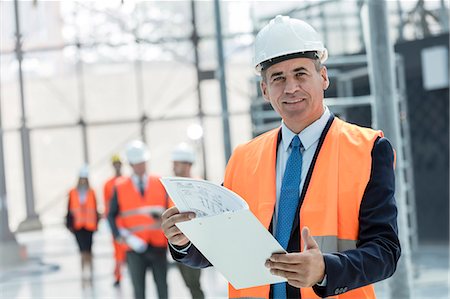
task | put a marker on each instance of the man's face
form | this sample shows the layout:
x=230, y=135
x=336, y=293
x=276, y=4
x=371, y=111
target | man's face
x=181, y=168
x=117, y=166
x=295, y=88
x=139, y=168
x=83, y=182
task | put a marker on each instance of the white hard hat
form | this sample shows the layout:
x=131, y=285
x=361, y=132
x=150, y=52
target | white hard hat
x=137, y=152
x=283, y=37
x=183, y=152
x=84, y=172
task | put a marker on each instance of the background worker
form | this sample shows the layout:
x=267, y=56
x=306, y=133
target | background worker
x=323, y=187
x=138, y=201
x=108, y=189
x=82, y=219
x=183, y=156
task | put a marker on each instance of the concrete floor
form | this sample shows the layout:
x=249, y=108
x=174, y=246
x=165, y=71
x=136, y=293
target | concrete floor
x=53, y=271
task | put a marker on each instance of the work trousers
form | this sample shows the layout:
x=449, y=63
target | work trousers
x=191, y=277
x=154, y=258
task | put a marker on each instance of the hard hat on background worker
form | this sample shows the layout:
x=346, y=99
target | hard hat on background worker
x=116, y=158
x=137, y=152
x=286, y=38
x=84, y=172
x=183, y=152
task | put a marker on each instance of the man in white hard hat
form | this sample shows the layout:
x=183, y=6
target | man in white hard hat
x=323, y=187
x=183, y=156
x=138, y=201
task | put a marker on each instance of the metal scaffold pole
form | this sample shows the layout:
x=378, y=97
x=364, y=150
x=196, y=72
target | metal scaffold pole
x=82, y=99
x=195, y=41
x=8, y=245
x=222, y=79
x=382, y=84
x=31, y=221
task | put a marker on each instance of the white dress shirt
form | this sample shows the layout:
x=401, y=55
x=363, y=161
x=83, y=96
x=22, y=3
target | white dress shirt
x=309, y=138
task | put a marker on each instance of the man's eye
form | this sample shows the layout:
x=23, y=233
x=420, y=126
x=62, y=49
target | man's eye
x=277, y=78
x=300, y=74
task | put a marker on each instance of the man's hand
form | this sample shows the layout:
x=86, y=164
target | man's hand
x=171, y=217
x=302, y=269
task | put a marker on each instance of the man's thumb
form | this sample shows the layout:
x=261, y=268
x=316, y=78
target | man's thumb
x=308, y=240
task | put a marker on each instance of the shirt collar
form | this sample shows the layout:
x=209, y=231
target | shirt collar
x=308, y=135
x=135, y=179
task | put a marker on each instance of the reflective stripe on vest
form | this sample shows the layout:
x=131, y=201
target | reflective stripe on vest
x=139, y=228
x=134, y=209
x=147, y=210
x=84, y=214
x=331, y=198
x=329, y=244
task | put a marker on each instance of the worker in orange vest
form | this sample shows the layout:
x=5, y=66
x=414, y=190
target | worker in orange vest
x=108, y=189
x=323, y=187
x=82, y=219
x=183, y=156
x=138, y=201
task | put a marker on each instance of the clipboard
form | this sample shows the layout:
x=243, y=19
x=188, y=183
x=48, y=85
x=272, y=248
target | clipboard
x=233, y=240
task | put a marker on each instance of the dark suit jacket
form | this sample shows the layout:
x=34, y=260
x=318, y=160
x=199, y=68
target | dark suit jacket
x=378, y=247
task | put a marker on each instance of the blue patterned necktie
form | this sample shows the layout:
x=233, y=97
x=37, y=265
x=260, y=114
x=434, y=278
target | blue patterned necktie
x=287, y=205
x=141, y=186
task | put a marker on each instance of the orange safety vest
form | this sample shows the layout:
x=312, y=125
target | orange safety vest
x=332, y=201
x=134, y=210
x=84, y=215
x=108, y=190
x=119, y=248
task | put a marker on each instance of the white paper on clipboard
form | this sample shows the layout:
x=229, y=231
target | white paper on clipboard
x=225, y=231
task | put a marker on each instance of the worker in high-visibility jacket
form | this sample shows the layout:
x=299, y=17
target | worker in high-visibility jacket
x=183, y=157
x=108, y=189
x=138, y=201
x=82, y=219
x=323, y=187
